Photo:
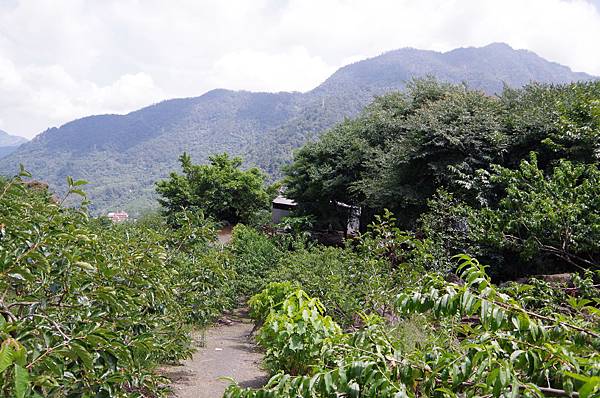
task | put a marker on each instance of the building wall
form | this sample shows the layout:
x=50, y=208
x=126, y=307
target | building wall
x=278, y=214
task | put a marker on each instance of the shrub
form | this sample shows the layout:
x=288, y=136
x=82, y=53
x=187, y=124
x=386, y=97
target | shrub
x=477, y=340
x=548, y=223
x=270, y=299
x=296, y=335
x=253, y=256
x=90, y=308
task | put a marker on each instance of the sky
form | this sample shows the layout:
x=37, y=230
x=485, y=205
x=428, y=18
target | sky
x=65, y=59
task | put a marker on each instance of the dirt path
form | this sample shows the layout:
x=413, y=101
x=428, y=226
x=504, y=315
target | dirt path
x=224, y=234
x=227, y=352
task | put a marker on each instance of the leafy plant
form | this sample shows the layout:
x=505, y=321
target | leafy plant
x=271, y=298
x=89, y=308
x=253, y=255
x=296, y=334
x=554, y=218
x=221, y=189
x=477, y=341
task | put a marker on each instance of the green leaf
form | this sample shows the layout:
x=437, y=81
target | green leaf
x=23, y=172
x=6, y=356
x=587, y=389
x=78, y=192
x=21, y=381
x=82, y=354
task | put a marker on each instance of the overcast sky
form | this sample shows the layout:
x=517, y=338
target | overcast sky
x=63, y=59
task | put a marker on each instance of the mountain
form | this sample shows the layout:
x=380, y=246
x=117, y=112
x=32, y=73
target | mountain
x=9, y=143
x=123, y=155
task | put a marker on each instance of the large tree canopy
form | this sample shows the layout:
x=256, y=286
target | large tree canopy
x=399, y=151
x=406, y=146
x=220, y=189
x=431, y=155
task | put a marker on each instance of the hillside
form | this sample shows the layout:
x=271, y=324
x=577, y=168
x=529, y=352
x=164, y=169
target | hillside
x=9, y=143
x=123, y=155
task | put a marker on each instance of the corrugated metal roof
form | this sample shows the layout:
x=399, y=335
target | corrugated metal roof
x=281, y=200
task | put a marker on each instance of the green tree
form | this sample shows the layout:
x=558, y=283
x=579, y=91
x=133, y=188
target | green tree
x=399, y=152
x=554, y=121
x=442, y=143
x=549, y=221
x=220, y=189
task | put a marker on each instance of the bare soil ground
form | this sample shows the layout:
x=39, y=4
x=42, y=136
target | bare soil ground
x=227, y=351
x=224, y=235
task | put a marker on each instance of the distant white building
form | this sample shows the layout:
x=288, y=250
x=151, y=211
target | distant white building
x=118, y=216
x=281, y=207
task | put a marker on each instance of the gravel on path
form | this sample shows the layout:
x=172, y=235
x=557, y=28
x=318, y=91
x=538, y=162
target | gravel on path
x=228, y=351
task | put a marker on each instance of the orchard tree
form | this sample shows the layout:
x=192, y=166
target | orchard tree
x=552, y=222
x=220, y=189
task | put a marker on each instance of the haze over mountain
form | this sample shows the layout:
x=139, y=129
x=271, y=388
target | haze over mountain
x=9, y=143
x=123, y=155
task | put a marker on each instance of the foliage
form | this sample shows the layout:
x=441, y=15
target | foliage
x=480, y=341
x=446, y=226
x=253, y=256
x=555, y=121
x=548, y=220
x=221, y=190
x=203, y=281
x=357, y=278
x=404, y=148
x=398, y=247
x=399, y=151
x=89, y=308
x=547, y=298
x=296, y=334
x=327, y=273
x=271, y=298
x=506, y=349
x=439, y=157
x=297, y=225
x=322, y=173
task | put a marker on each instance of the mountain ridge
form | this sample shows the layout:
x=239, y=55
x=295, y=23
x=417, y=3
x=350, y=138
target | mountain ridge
x=9, y=143
x=123, y=154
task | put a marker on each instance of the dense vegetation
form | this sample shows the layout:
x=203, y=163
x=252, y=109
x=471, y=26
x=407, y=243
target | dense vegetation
x=124, y=155
x=444, y=339
x=511, y=179
x=89, y=308
x=220, y=190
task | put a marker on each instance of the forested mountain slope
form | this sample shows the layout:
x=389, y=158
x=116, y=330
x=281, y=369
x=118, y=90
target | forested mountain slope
x=123, y=155
x=9, y=143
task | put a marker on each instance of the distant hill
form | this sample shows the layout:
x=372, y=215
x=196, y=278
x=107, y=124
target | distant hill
x=9, y=143
x=123, y=155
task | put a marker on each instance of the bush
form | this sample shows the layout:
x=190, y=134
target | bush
x=296, y=334
x=270, y=299
x=473, y=339
x=90, y=308
x=253, y=256
x=361, y=277
x=551, y=223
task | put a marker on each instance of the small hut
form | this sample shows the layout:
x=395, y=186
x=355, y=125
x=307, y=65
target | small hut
x=281, y=207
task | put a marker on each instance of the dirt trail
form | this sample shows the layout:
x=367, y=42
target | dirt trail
x=228, y=351
x=224, y=234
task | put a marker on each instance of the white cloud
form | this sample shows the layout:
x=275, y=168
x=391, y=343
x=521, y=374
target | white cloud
x=292, y=70
x=61, y=59
x=49, y=95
